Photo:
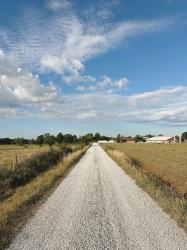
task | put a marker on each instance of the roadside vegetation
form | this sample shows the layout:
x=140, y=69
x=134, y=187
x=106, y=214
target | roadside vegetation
x=161, y=170
x=23, y=184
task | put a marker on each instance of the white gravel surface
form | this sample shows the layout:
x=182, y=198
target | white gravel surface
x=98, y=206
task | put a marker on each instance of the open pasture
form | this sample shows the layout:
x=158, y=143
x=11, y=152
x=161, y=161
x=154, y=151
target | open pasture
x=168, y=162
x=11, y=154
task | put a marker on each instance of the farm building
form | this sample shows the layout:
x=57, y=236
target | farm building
x=105, y=141
x=131, y=141
x=163, y=139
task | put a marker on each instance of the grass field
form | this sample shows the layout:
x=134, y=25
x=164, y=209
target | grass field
x=11, y=153
x=160, y=169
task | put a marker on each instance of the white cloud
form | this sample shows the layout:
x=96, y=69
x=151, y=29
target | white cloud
x=2, y=54
x=159, y=97
x=18, y=87
x=77, y=78
x=57, y=5
x=63, y=43
x=122, y=83
x=23, y=94
x=106, y=84
x=109, y=107
x=128, y=29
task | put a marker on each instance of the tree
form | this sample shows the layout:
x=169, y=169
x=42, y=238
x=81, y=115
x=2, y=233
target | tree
x=184, y=136
x=49, y=139
x=19, y=141
x=88, y=138
x=68, y=138
x=118, y=138
x=139, y=138
x=4, y=141
x=149, y=135
x=97, y=137
x=75, y=139
x=60, y=138
x=40, y=140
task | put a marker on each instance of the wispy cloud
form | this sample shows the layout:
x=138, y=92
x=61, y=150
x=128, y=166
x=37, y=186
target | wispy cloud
x=23, y=94
x=57, y=5
x=63, y=42
x=105, y=84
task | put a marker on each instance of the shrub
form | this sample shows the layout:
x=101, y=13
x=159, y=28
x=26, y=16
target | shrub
x=27, y=170
x=65, y=149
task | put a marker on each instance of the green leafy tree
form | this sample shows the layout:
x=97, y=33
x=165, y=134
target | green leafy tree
x=149, y=135
x=139, y=138
x=97, y=137
x=68, y=138
x=60, y=138
x=88, y=138
x=184, y=136
x=118, y=138
x=49, y=139
x=19, y=141
x=40, y=140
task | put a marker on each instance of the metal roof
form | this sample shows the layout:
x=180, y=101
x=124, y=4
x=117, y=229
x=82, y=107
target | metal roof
x=160, y=138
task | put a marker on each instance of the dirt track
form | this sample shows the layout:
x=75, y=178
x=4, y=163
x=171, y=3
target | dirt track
x=97, y=206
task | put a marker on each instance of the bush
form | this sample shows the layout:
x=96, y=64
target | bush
x=65, y=149
x=27, y=170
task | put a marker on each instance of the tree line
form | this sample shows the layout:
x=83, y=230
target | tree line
x=60, y=138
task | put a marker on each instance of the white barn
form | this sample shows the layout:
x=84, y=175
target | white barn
x=162, y=139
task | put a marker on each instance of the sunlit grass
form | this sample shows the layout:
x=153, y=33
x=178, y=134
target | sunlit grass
x=161, y=170
x=11, y=153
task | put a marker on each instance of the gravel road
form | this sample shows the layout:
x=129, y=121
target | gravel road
x=98, y=206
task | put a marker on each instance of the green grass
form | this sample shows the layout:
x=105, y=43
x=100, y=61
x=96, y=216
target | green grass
x=158, y=169
x=16, y=208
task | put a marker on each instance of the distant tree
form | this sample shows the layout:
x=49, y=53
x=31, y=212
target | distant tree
x=40, y=140
x=60, y=138
x=118, y=138
x=32, y=141
x=97, y=137
x=88, y=138
x=19, y=141
x=4, y=141
x=149, y=135
x=139, y=138
x=105, y=138
x=68, y=138
x=184, y=136
x=75, y=139
x=49, y=139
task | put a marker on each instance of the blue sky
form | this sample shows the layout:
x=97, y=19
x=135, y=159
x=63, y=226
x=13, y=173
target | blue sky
x=87, y=66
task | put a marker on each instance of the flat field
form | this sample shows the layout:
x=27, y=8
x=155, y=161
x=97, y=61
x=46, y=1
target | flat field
x=12, y=153
x=168, y=162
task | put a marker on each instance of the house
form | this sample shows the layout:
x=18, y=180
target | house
x=130, y=141
x=163, y=139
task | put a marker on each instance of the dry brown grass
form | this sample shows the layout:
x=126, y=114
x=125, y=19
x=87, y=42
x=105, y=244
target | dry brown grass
x=16, y=208
x=161, y=170
x=166, y=161
x=10, y=153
